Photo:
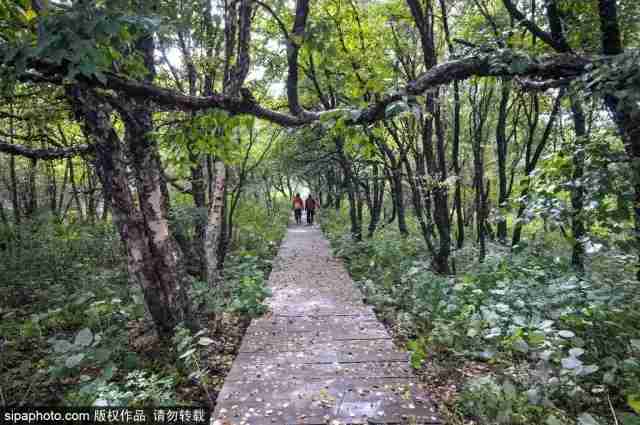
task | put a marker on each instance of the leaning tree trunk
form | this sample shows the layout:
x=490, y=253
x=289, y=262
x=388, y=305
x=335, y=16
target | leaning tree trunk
x=166, y=261
x=152, y=257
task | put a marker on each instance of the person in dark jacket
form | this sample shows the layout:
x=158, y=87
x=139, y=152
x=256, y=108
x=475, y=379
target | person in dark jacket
x=298, y=204
x=310, y=206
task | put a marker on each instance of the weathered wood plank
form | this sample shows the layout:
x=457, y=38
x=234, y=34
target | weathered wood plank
x=320, y=356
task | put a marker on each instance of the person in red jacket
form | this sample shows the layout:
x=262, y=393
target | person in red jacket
x=298, y=204
x=310, y=206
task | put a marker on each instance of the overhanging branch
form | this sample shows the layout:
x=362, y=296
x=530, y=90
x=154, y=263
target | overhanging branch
x=531, y=85
x=45, y=154
x=554, y=67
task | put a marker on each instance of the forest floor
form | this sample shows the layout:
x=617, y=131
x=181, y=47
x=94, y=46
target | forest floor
x=320, y=355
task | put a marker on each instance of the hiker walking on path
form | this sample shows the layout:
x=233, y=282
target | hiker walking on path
x=297, y=208
x=310, y=206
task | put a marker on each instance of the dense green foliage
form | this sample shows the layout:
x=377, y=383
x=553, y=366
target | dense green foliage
x=559, y=345
x=75, y=332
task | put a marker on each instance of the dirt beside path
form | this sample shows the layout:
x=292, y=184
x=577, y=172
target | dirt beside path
x=320, y=356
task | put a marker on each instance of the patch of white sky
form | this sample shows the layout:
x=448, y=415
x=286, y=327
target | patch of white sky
x=257, y=72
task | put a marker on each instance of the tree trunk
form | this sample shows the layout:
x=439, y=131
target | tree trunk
x=199, y=199
x=441, y=202
x=52, y=188
x=349, y=182
x=63, y=189
x=225, y=230
x=577, y=189
x=478, y=179
x=166, y=261
x=356, y=232
x=3, y=215
x=416, y=199
x=15, y=201
x=32, y=204
x=74, y=189
x=359, y=209
x=154, y=262
x=376, y=202
x=502, y=151
x=531, y=159
x=392, y=192
x=214, y=223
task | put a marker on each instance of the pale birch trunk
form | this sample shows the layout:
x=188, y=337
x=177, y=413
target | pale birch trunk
x=215, y=222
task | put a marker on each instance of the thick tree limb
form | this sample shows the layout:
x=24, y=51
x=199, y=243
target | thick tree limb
x=294, y=42
x=554, y=67
x=45, y=154
x=531, y=85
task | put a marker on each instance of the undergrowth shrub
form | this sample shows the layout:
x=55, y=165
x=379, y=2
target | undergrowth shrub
x=560, y=345
x=73, y=329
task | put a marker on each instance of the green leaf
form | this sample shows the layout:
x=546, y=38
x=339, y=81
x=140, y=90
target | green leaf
x=571, y=363
x=552, y=420
x=609, y=378
x=633, y=400
x=395, y=108
x=74, y=360
x=131, y=361
x=587, y=419
x=100, y=77
x=108, y=371
x=102, y=355
x=520, y=345
x=589, y=369
x=187, y=353
x=83, y=338
x=566, y=334
x=62, y=346
x=576, y=352
x=30, y=15
x=205, y=341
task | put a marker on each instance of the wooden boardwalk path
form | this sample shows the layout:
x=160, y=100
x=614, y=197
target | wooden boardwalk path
x=320, y=356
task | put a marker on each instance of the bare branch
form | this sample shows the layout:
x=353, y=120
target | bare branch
x=45, y=154
x=559, y=45
x=554, y=67
x=275, y=16
x=531, y=85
